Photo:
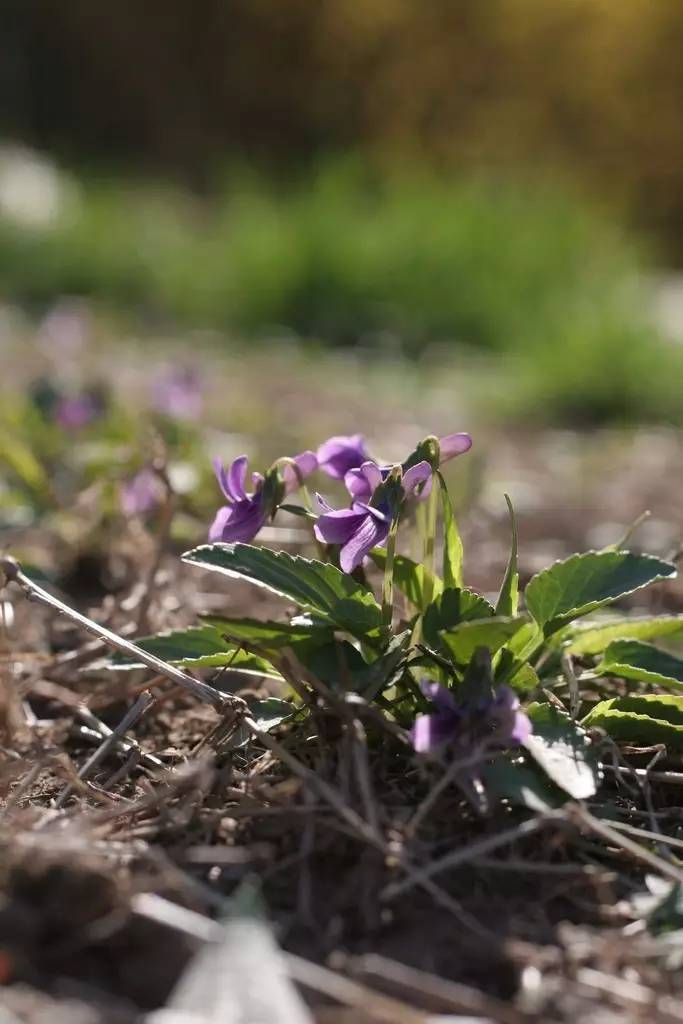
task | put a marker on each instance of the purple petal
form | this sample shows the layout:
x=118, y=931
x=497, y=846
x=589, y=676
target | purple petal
x=240, y=521
x=306, y=462
x=452, y=445
x=369, y=534
x=236, y=476
x=141, y=494
x=339, y=454
x=421, y=474
x=363, y=481
x=521, y=729
x=338, y=526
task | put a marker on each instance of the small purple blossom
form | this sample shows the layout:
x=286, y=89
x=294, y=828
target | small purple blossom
x=364, y=526
x=74, y=412
x=246, y=512
x=452, y=445
x=496, y=719
x=341, y=453
x=142, y=494
x=177, y=393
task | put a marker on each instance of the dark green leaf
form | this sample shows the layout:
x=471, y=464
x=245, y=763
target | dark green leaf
x=315, y=586
x=270, y=712
x=583, y=583
x=631, y=659
x=412, y=579
x=508, y=599
x=463, y=640
x=451, y=608
x=199, y=647
x=522, y=784
x=452, y=541
x=648, y=719
x=595, y=638
x=562, y=749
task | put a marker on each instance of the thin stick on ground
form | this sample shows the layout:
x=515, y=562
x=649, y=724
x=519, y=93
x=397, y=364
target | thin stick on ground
x=202, y=691
x=635, y=850
x=133, y=715
x=467, y=853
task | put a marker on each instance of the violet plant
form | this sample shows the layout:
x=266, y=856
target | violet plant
x=498, y=681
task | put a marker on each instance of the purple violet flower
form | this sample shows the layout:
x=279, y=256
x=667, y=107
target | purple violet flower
x=245, y=514
x=177, y=393
x=339, y=454
x=497, y=719
x=364, y=526
x=141, y=495
x=77, y=411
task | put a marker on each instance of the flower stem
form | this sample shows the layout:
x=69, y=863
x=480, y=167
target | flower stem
x=388, y=584
x=428, y=558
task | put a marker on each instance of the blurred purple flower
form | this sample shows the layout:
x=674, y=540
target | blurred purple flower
x=340, y=454
x=141, y=495
x=73, y=412
x=245, y=514
x=496, y=719
x=364, y=526
x=177, y=393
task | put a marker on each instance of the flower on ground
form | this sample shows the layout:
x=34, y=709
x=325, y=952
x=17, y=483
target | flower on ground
x=497, y=719
x=74, y=412
x=341, y=453
x=246, y=512
x=177, y=393
x=364, y=526
x=141, y=495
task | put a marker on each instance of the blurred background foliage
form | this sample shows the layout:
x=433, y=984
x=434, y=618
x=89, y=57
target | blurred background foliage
x=502, y=175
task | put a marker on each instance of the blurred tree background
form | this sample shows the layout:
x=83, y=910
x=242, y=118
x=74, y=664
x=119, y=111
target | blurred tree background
x=587, y=88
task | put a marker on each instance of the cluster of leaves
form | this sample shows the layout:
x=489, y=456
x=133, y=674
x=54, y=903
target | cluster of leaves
x=543, y=648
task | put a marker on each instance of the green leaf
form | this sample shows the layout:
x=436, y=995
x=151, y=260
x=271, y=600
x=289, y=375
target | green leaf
x=412, y=579
x=21, y=460
x=562, y=749
x=522, y=784
x=492, y=633
x=199, y=647
x=518, y=674
x=583, y=583
x=269, y=636
x=270, y=712
x=452, y=541
x=595, y=638
x=451, y=608
x=631, y=659
x=315, y=586
x=508, y=599
x=645, y=720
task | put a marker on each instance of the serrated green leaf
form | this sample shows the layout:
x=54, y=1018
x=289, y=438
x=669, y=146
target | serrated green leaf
x=594, y=639
x=632, y=659
x=522, y=784
x=452, y=541
x=562, y=749
x=648, y=719
x=508, y=599
x=315, y=586
x=199, y=647
x=582, y=583
x=412, y=579
x=463, y=640
x=449, y=609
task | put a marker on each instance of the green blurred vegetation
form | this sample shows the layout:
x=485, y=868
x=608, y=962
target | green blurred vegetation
x=536, y=274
